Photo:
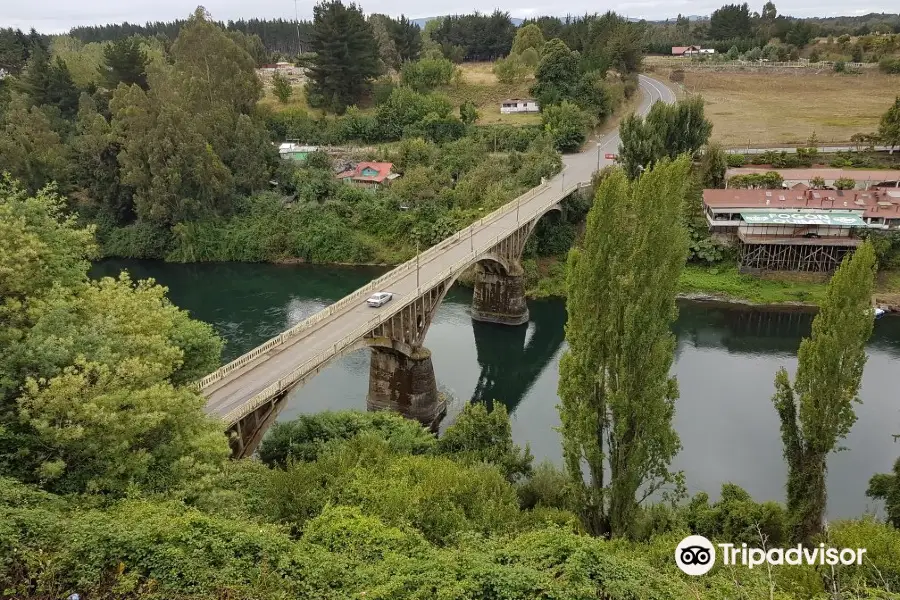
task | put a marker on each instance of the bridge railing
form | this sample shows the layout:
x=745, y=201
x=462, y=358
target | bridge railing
x=362, y=292
x=322, y=358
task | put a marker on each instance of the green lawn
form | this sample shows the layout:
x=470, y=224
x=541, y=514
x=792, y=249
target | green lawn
x=545, y=278
x=725, y=282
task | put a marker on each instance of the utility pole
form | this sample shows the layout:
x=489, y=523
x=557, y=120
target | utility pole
x=598, y=156
x=297, y=19
x=471, y=243
x=518, y=202
x=417, y=265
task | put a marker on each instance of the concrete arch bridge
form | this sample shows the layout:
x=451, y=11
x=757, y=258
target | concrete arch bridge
x=248, y=393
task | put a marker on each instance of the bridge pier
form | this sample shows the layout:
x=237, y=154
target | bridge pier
x=499, y=297
x=405, y=384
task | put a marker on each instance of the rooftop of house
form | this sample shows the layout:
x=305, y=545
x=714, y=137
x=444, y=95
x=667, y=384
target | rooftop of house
x=518, y=100
x=683, y=49
x=376, y=172
x=877, y=202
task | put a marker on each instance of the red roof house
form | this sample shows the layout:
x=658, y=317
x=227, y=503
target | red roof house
x=685, y=50
x=369, y=174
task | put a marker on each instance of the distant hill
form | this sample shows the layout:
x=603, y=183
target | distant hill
x=421, y=22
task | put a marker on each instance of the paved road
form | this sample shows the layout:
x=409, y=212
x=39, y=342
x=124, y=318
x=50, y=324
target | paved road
x=239, y=386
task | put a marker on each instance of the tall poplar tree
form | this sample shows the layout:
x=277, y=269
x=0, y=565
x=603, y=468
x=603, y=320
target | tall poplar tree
x=346, y=56
x=617, y=398
x=816, y=411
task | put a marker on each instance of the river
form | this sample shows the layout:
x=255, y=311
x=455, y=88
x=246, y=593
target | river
x=725, y=362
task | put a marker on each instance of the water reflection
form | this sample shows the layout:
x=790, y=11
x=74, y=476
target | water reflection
x=512, y=358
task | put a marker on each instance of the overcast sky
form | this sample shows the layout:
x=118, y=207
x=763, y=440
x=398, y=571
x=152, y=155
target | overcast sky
x=57, y=16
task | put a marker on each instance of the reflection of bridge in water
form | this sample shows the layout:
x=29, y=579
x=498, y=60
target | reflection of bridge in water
x=510, y=360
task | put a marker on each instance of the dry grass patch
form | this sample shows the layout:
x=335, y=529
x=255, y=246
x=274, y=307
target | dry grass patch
x=296, y=101
x=480, y=85
x=772, y=109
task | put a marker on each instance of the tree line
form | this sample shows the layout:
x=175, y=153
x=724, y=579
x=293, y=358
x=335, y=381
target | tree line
x=170, y=162
x=738, y=26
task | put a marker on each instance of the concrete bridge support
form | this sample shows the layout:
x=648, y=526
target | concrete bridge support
x=499, y=295
x=405, y=384
x=246, y=435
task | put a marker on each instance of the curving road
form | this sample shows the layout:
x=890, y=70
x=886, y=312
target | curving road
x=580, y=167
x=238, y=388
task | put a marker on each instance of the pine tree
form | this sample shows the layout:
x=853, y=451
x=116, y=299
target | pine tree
x=94, y=168
x=61, y=91
x=346, y=56
x=407, y=38
x=816, y=411
x=126, y=63
x=617, y=398
x=889, y=128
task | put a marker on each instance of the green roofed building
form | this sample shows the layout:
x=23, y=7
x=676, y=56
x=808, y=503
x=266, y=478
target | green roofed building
x=798, y=230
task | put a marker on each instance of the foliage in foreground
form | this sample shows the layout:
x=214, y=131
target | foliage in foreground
x=387, y=525
x=92, y=372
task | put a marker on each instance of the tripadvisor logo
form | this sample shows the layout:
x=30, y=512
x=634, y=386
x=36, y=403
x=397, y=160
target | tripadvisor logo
x=696, y=555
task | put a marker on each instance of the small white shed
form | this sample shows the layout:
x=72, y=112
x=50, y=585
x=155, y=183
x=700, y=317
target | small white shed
x=519, y=105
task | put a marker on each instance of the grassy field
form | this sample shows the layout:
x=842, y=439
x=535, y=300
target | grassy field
x=783, y=108
x=480, y=85
x=477, y=83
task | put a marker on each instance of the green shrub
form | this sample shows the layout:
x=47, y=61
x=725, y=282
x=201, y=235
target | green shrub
x=547, y=486
x=305, y=437
x=438, y=496
x=845, y=183
x=735, y=160
x=426, y=74
x=737, y=519
x=889, y=65
x=140, y=240
x=480, y=435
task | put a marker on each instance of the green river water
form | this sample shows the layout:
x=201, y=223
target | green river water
x=725, y=362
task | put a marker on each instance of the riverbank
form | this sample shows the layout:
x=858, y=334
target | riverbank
x=545, y=278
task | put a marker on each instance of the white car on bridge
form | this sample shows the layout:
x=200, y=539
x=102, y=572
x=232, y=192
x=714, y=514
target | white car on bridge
x=379, y=299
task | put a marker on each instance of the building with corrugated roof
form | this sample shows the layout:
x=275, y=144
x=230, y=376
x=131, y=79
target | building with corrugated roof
x=798, y=230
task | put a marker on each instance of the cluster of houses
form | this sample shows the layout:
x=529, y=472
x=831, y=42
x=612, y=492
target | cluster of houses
x=371, y=175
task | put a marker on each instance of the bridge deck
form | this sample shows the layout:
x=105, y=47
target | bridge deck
x=240, y=385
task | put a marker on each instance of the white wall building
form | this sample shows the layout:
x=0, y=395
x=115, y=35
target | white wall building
x=519, y=105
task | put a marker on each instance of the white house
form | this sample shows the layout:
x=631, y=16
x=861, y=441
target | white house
x=519, y=105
